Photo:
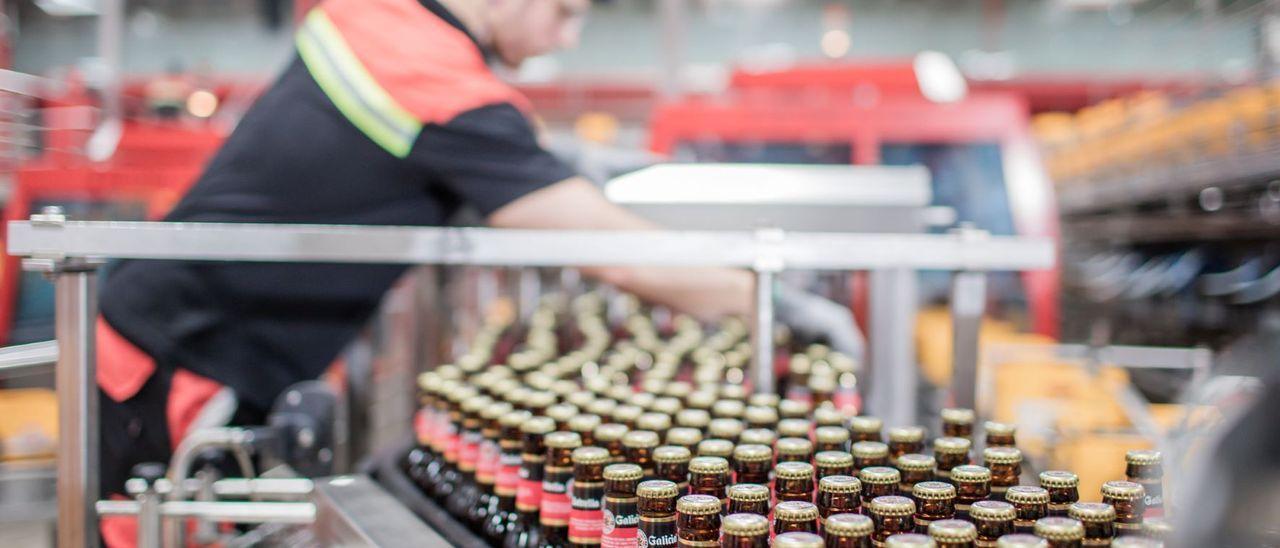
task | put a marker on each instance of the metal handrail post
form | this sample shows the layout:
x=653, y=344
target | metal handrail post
x=77, y=390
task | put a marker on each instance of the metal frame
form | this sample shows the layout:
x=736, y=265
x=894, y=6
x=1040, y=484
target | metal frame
x=70, y=249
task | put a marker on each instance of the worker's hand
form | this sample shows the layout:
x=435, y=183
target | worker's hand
x=814, y=319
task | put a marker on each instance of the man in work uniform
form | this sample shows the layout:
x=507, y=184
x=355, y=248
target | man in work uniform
x=388, y=115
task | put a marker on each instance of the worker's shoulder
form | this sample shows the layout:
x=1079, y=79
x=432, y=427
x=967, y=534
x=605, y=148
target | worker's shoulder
x=427, y=66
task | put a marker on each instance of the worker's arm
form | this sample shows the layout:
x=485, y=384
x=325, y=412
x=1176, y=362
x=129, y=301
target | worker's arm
x=574, y=203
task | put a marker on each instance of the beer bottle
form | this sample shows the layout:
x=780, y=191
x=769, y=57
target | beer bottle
x=1063, y=488
x=537, y=402
x=698, y=521
x=865, y=428
x=848, y=531
x=764, y=399
x=728, y=409
x=1005, y=464
x=1157, y=528
x=1000, y=434
x=794, y=428
x=1135, y=542
x=580, y=399
x=487, y=464
x=709, y=476
x=701, y=399
x=793, y=481
x=639, y=446
x=751, y=463
x=654, y=422
x=994, y=519
x=507, y=479
x=828, y=415
x=657, y=513
x=870, y=453
x=745, y=531
x=892, y=515
x=795, y=516
x=748, y=498
x=832, y=438
x=603, y=408
x=953, y=533
x=587, y=500
x=1145, y=468
x=725, y=429
x=667, y=406
x=839, y=495
x=445, y=481
x=715, y=448
x=957, y=423
x=693, y=418
x=914, y=468
x=905, y=439
x=758, y=436
x=1031, y=503
x=627, y=414
x=671, y=463
x=833, y=463
x=934, y=501
x=609, y=436
x=642, y=400
x=585, y=425
x=621, y=509
x=973, y=483
x=909, y=540
x=795, y=450
x=797, y=540
x=761, y=417
x=1098, y=519
x=950, y=452
x=1060, y=532
x=556, y=502
x=1126, y=498
x=878, y=481
x=1021, y=540
x=685, y=437
x=525, y=531
x=562, y=413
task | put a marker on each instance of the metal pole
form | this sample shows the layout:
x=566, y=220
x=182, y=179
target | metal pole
x=968, y=301
x=762, y=333
x=894, y=378
x=674, y=20
x=76, y=310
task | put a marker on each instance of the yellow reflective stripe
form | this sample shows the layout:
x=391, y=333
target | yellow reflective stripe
x=352, y=89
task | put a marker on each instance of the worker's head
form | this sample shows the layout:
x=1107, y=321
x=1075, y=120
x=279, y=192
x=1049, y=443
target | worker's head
x=520, y=29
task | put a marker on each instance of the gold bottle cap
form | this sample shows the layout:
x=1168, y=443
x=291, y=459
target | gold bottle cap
x=999, y=428
x=848, y=525
x=657, y=489
x=610, y=431
x=580, y=399
x=915, y=462
x=1123, y=490
x=1021, y=541
x=619, y=392
x=540, y=400
x=798, y=539
x=832, y=459
x=640, y=439
x=494, y=411
x=752, y=452
x=728, y=409
x=538, y=425
x=1157, y=527
x=584, y=423
x=795, y=510
x=793, y=470
x=623, y=472
x=667, y=406
x=793, y=409
x=734, y=392
x=933, y=490
x=907, y=434
x=1135, y=542
x=761, y=436
x=832, y=434
x=698, y=505
x=765, y=400
x=993, y=510
x=971, y=473
x=653, y=385
x=693, y=418
x=1059, y=479
x=715, y=447
x=590, y=455
x=1027, y=494
x=794, y=428
x=1001, y=455
x=1143, y=457
x=828, y=416
x=627, y=413
x=879, y=475
x=641, y=399
x=1092, y=512
x=708, y=465
x=953, y=531
x=866, y=424
x=725, y=428
x=909, y=540
x=475, y=404
x=701, y=399
x=794, y=446
x=684, y=436
x=603, y=407
x=672, y=454
x=519, y=396
x=955, y=415
x=657, y=422
x=870, y=450
x=678, y=389
x=564, y=388
x=756, y=414
x=514, y=418
x=840, y=484
x=563, y=440
x=745, y=525
x=748, y=492
x=892, y=506
x=463, y=393
x=952, y=446
x=427, y=382
x=1059, y=529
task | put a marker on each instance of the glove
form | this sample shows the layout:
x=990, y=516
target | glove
x=814, y=319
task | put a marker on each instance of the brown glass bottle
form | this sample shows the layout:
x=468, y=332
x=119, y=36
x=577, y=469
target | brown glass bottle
x=795, y=450
x=957, y=423
x=833, y=463
x=1098, y=519
x=794, y=428
x=1126, y=498
x=795, y=516
x=557, y=472
x=698, y=521
x=609, y=436
x=488, y=463
x=865, y=428
x=671, y=463
x=709, y=476
x=953, y=533
x=587, y=497
x=1157, y=528
x=562, y=413
x=507, y=478
x=905, y=439
x=639, y=446
x=657, y=513
x=793, y=481
x=715, y=448
x=585, y=426
x=1005, y=464
x=878, y=481
x=621, y=519
x=537, y=402
x=914, y=468
x=848, y=531
x=745, y=531
x=869, y=453
x=1063, y=488
x=750, y=498
x=973, y=483
x=751, y=463
x=934, y=501
x=685, y=437
x=1000, y=434
x=525, y=531
x=797, y=539
x=1031, y=503
x=993, y=519
x=831, y=438
x=1060, y=532
x=839, y=494
x=892, y=515
x=1146, y=468
x=950, y=452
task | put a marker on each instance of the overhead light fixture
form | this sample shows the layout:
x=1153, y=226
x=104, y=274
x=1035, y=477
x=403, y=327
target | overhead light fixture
x=939, y=78
x=68, y=8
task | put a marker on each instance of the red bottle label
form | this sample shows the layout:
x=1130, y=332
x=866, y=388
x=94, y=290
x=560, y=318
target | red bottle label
x=621, y=521
x=451, y=442
x=422, y=426
x=469, y=451
x=508, y=478
x=585, y=519
x=487, y=465
x=528, y=495
x=555, y=496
